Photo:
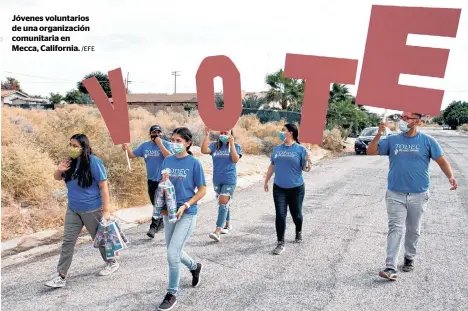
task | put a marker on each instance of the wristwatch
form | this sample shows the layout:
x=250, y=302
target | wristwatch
x=187, y=205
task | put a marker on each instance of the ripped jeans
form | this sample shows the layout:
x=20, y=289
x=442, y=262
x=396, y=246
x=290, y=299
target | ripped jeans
x=224, y=214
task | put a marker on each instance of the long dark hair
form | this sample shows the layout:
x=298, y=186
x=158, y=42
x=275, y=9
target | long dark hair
x=186, y=135
x=294, y=130
x=83, y=173
x=219, y=143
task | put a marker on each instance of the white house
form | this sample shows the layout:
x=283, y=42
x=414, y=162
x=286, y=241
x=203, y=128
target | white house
x=9, y=95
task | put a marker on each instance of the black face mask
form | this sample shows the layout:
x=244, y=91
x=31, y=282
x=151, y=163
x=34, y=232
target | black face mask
x=154, y=136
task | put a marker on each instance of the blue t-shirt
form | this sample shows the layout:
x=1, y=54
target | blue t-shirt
x=87, y=199
x=186, y=174
x=153, y=157
x=289, y=162
x=224, y=170
x=409, y=161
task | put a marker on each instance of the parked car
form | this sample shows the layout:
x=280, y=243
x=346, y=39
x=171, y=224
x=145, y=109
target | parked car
x=446, y=127
x=366, y=136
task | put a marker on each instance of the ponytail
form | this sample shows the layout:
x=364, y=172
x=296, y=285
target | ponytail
x=188, y=150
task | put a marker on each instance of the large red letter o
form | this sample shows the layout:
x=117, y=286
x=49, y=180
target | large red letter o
x=214, y=118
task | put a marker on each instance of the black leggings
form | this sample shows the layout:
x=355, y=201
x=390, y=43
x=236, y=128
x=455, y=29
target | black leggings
x=284, y=197
x=152, y=187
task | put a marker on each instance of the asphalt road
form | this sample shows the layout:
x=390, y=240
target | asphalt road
x=336, y=268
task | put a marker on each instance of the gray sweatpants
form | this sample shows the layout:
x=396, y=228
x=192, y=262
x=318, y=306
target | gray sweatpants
x=74, y=222
x=404, y=208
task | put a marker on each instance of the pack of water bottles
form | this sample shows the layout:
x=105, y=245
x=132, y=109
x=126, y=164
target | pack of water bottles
x=111, y=236
x=165, y=198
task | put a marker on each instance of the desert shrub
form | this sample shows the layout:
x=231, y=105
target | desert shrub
x=27, y=173
x=463, y=127
x=35, y=141
x=332, y=140
x=248, y=122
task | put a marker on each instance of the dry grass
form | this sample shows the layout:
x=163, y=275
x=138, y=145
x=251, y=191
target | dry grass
x=34, y=142
x=463, y=127
x=333, y=141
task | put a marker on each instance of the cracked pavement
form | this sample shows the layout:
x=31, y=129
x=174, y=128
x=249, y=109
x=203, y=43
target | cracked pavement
x=336, y=268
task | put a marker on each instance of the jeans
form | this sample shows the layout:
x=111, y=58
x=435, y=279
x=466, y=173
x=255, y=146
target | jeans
x=74, y=222
x=224, y=214
x=404, y=208
x=152, y=186
x=176, y=235
x=284, y=197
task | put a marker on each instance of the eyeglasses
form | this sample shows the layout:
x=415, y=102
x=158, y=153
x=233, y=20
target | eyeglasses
x=405, y=118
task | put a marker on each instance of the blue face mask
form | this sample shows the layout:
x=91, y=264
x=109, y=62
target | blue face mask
x=223, y=138
x=177, y=148
x=282, y=136
x=404, y=126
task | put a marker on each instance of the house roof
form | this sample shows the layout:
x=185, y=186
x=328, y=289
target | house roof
x=6, y=93
x=174, y=98
x=161, y=98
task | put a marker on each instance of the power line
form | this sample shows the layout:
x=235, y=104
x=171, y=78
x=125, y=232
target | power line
x=27, y=75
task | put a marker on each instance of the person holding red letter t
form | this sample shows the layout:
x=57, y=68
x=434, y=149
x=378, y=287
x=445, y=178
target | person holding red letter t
x=288, y=160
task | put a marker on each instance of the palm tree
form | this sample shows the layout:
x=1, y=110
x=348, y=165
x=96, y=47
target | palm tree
x=339, y=93
x=252, y=102
x=285, y=91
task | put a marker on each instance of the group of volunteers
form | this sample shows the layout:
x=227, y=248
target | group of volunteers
x=84, y=174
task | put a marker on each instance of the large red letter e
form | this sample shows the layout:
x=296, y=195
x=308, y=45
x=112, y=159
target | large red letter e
x=387, y=55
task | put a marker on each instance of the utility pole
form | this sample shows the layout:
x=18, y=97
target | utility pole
x=175, y=74
x=126, y=84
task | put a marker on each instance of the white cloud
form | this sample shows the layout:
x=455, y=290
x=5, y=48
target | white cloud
x=150, y=39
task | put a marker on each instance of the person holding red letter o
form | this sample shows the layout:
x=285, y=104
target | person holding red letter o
x=225, y=153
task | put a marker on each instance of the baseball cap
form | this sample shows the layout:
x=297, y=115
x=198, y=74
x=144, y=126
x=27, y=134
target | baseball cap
x=155, y=128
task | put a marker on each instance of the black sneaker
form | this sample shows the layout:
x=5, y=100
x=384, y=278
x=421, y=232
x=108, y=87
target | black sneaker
x=408, y=266
x=196, y=275
x=298, y=237
x=168, y=303
x=159, y=225
x=151, y=232
x=388, y=273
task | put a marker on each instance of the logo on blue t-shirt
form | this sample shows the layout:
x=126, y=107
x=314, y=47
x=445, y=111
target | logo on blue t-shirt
x=286, y=154
x=178, y=173
x=152, y=153
x=409, y=161
x=221, y=153
x=406, y=148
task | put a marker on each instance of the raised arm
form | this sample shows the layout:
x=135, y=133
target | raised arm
x=62, y=167
x=162, y=147
x=373, y=148
x=205, y=149
x=129, y=150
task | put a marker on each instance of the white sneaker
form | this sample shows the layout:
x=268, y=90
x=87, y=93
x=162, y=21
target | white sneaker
x=226, y=230
x=215, y=236
x=56, y=282
x=110, y=268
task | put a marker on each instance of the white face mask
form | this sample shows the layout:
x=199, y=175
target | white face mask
x=178, y=148
x=403, y=126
